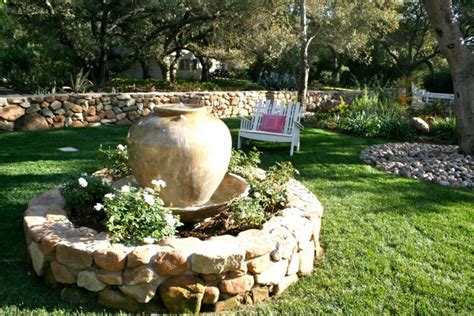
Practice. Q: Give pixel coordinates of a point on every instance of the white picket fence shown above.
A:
(420, 96)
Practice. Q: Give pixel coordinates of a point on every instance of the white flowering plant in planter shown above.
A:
(135, 216)
(115, 160)
(82, 193)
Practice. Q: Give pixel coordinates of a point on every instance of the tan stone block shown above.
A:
(170, 263)
(89, 280)
(143, 254)
(110, 277)
(63, 274)
(306, 262)
(139, 275)
(285, 283)
(211, 295)
(237, 285)
(112, 258)
(37, 257)
(274, 274)
(73, 255)
(76, 108)
(182, 294)
(256, 243)
(49, 243)
(11, 112)
(142, 293)
(259, 264)
(217, 257)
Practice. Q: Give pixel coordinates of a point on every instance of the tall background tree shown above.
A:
(453, 27)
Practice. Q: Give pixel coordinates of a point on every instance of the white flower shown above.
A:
(109, 196)
(111, 218)
(82, 182)
(98, 207)
(121, 147)
(158, 183)
(105, 181)
(84, 174)
(149, 240)
(125, 189)
(256, 194)
(149, 199)
(170, 220)
(148, 190)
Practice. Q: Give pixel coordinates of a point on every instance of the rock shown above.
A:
(124, 121)
(170, 263)
(111, 258)
(139, 275)
(37, 257)
(142, 255)
(73, 256)
(285, 283)
(76, 124)
(90, 281)
(211, 295)
(228, 304)
(6, 126)
(217, 257)
(259, 264)
(274, 274)
(49, 98)
(182, 294)
(117, 300)
(260, 294)
(143, 293)
(11, 112)
(31, 122)
(63, 274)
(306, 259)
(76, 108)
(110, 277)
(256, 243)
(49, 243)
(294, 264)
(56, 105)
(76, 296)
(35, 107)
(236, 285)
(420, 125)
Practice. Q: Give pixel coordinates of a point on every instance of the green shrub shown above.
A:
(373, 116)
(267, 194)
(444, 129)
(276, 81)
(116, 161)
(81, 194)
(136, 216)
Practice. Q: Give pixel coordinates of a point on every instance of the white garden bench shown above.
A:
(264, 115)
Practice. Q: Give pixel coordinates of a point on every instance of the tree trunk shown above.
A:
(205, 66)
(165, 70)
(304, 71)
(461, 63)
(145, 69)
(336, 73)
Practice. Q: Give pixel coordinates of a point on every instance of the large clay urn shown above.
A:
(184, 146)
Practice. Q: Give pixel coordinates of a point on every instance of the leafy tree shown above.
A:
(453, 26)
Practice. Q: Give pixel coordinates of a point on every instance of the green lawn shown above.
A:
(393, 245)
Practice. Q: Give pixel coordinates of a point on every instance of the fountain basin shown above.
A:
(231, 187)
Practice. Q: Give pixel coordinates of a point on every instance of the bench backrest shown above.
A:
(292, 111)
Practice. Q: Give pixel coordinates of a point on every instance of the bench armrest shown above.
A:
(245, 123)
(299, 125)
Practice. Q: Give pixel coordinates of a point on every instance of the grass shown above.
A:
(393, 245)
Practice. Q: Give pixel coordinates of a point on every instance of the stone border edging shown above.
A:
(219, 273)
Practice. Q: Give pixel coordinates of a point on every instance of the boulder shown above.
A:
(420, 125)
(31, 122)
(171, 263)
(182, 294)
(90, 281)
(11, 112)
(110, 258)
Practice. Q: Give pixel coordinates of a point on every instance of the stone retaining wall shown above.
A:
(31, 112)
(183, 274)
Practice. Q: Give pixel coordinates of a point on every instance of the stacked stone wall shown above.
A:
(32, 112)
(183, 274)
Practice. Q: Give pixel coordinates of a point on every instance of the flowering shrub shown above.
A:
(116, 161)
(82, 193)
(267, 195)
(138, 215)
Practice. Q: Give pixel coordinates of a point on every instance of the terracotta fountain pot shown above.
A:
(184, 146)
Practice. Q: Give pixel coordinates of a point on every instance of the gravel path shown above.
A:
(436, 163)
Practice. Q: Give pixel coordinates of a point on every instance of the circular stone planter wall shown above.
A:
(184, 274)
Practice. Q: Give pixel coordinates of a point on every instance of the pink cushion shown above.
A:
(273, 123)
